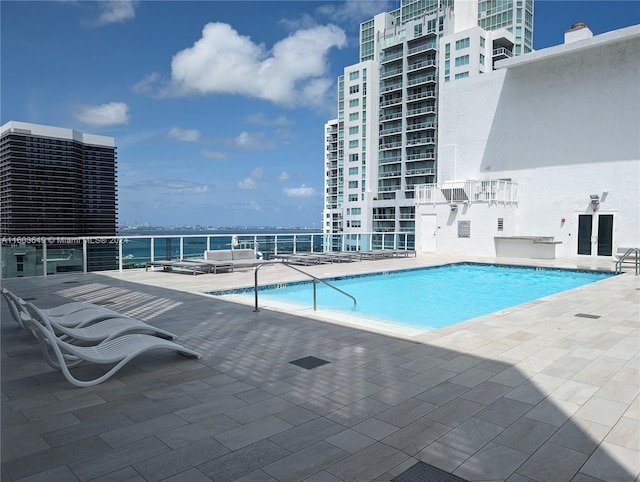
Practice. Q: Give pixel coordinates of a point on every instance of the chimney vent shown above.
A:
(578, 31)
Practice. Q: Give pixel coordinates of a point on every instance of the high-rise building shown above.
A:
(57, 182)
(385, 138)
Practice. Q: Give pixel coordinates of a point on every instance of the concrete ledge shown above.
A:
(533, 247)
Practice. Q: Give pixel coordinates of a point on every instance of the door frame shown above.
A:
(595, 223)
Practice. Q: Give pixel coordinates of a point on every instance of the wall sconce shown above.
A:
(595, 201)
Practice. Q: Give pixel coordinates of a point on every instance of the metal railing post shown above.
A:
(84, 255)
(120, 254)
(45, 264)
(315, 305)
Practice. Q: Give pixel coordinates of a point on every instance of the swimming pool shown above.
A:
(429, 298)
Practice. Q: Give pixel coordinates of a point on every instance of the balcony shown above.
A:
(385, 175)
(389, 160)
(385, 74)
(427, 171)
(429, 109)
(390, 57)
(390, 145)
(423, 64)
(420, 125)
(393, 115)
(501, 53)
(421, 141)
(468, 191)
(421, 156)
(423, 48)
(387, 102)
(390, 88)
(429, 94)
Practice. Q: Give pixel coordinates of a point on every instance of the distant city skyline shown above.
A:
(217, 107)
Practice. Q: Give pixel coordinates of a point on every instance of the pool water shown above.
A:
(429, 298)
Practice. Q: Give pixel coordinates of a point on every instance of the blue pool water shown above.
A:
(434, 297)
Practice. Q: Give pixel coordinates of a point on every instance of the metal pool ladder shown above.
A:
(315, 282)
(628, 253)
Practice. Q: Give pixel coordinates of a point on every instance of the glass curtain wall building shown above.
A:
(57, 183)
(384, 140)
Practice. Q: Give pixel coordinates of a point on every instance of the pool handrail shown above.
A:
(314, 278)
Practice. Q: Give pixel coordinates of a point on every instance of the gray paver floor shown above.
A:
(530, 393)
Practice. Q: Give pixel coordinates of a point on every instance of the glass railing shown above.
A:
(24, 256)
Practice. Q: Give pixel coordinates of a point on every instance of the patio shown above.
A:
(545, 391)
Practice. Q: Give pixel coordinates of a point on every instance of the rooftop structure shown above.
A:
(547, 390)
(564, 182)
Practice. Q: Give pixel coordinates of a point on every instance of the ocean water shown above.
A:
(434, 297)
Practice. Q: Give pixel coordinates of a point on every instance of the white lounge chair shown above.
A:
(67, 308)
(117, 352)
(99, 331)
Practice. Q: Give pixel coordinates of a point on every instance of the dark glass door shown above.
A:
(585, 222)
(605, 234)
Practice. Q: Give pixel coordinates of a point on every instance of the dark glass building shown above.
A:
(57, 182)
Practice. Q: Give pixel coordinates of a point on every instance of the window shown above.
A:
(482, 42)
(353, 197)
(356, 224)
(462, 75)
(353, 157)
(354, 75)
(481, 59)
(462, 43)
(353, 170)
(356, 211)
(354, 89)
(463, 60)
(353, 144)
(353, 130)
(447, 51)
(354, 102)
(417, 30)
(354, 116)
(447, 78)
(353, 184)
(447, 67)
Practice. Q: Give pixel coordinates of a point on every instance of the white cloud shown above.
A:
(104, 115)
(355, 11)
(213, 154)
(185, 135)
(257, 173)
(146, 85)
(253, 141)
(224, 62)
(171, 186)
(247, 183)
(301, 191)
(116, 11)
(251, 181)
(284, 175)
(261, 119)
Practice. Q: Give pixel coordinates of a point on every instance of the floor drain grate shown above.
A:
(309, 362)
(422, 472)
(585, 315)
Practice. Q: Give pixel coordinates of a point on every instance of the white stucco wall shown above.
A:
(563, 126)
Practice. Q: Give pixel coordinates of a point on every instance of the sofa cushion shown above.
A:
(243, 254)
(218, 255)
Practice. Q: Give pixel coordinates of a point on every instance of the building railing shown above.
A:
(24, 256)
(468, 191)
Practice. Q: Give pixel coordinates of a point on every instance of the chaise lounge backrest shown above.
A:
(229, 255)
(218, 255)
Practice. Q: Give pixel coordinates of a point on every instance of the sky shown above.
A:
(217, 107)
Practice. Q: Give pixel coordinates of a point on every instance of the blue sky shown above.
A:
(217, 107)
